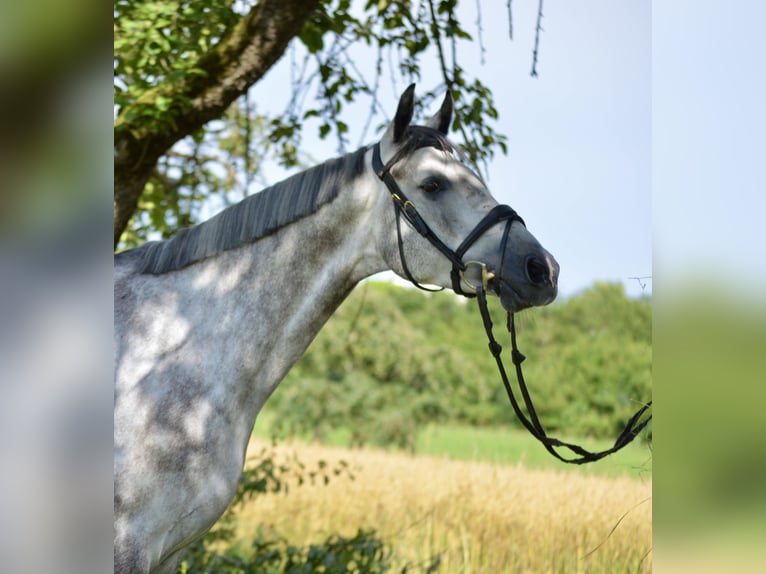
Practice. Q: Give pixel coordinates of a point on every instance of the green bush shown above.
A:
(362, 553)
(393, 359)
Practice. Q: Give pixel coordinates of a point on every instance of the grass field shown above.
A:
(478, 516)
(507, 446)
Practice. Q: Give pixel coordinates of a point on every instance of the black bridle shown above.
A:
(405, 207)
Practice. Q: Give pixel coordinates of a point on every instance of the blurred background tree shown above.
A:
(388, 363)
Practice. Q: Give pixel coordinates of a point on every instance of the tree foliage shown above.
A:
(186, 125)
(393, 359)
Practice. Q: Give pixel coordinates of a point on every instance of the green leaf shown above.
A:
(312, 37)
(162, 103)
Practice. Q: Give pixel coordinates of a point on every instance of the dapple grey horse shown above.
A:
(207, 323)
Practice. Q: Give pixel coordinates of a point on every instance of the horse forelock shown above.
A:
(417, 137)
(254, 217)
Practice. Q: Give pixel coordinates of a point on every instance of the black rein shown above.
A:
(404, 207)
(532, 423)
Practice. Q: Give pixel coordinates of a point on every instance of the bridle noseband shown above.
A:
(405, 207)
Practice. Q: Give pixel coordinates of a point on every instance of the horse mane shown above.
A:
(254, 217)
(269, 210)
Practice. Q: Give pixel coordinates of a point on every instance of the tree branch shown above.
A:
(510, 21)
(538, 29)
(142, 134)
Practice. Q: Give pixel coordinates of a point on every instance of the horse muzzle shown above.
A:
(528, 280)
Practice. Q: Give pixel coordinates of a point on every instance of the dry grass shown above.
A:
(477, 516)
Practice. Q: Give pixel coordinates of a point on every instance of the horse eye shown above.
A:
(431, 186)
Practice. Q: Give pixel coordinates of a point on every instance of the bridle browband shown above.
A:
(405, 207)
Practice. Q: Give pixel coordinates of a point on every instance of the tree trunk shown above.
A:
(239, 60)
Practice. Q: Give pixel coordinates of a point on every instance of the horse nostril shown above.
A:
(537, 271)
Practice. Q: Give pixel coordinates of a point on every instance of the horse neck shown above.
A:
(273, 296)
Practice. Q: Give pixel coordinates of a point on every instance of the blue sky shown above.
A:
(646, 124)
(579, 162)
(709, 145)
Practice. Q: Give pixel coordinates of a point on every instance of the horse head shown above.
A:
(448, 230)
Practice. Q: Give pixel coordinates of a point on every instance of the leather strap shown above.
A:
(531, 422)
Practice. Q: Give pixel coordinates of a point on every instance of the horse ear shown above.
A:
(443, 119)
(404, 112)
